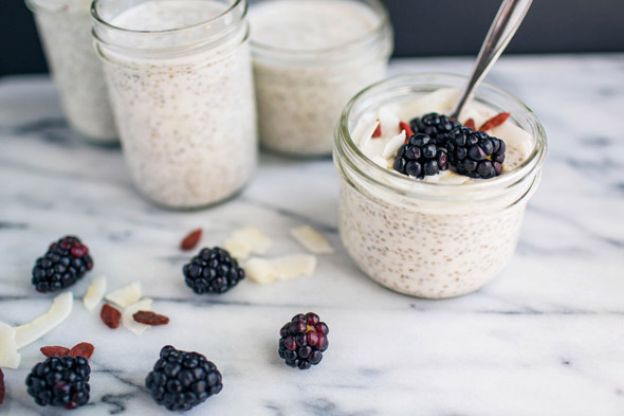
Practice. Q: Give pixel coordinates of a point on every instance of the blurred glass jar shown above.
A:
(305, 72)
(65, 30)
(180, 80)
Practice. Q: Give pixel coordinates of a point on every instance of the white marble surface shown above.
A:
(545, 338)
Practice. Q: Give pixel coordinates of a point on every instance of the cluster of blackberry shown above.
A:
(439, 142)
(66, 261)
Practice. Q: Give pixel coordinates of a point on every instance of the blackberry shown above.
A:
(213, 270)
(66, 261)
(436, 126)
(303, 341)
(475, 153)
(181, 380)
(60, 382)
(421, 157)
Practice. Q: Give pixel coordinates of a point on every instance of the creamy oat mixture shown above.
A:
(186, 121)
(300, 98)
(428, 249)
(65, 29)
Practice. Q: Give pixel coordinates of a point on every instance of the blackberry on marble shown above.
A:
(421, 157)
(436, 126)
(60, 382)
(475, 153)
(66, 261)
(213, 270)
(182, 380)
(303, 341)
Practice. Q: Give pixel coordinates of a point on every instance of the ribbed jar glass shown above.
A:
(431, 239)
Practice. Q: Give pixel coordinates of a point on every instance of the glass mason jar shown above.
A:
(65, 30)
(431, 239)
(182, 94)
(301, 92)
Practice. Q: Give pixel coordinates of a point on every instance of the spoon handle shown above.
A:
(505, 24)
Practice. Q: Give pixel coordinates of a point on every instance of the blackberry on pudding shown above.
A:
(436, 126)
(60, 382)
(66, 261)
(475, 153)
(421, 157)
(303, 341)
(213, 270)
(181, 380)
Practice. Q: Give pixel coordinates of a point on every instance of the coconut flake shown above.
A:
(246, 241)
(311, 239)
(9, 356)
(439, 101)
(125, 296)
(388, 120)
(127, 317)
(58, 312)
(296, 265)
(265, 271)
(364, 129)
(95, 293)
(393, 145)
(260, 271)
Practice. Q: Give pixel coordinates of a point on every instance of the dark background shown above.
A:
(423, 28)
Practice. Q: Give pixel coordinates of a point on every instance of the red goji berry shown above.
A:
(84, 350)
(190, 241)
(54, 351)
(110, 316)
(495, 121)
(150, 318)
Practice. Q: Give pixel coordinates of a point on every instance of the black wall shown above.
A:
(423, 28)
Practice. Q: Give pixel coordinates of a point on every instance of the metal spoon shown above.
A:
(504, 27)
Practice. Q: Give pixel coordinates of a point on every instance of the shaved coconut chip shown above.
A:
(237, 249)
(311, 239)
(281, 268)
(127, 317)
(440, 101)
(95, 293)
(363, 131)
(9, 356)
(393, 145)
(381, 161)
(388, 120)
(247, 240)
(260, 271)
(126, 295)
(296, 265)
(58, 312)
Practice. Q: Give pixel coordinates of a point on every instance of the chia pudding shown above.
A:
(444, 234)
(65, 30)
(310, 58)
(180, 80)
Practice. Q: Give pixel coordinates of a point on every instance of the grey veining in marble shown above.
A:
(545, 338)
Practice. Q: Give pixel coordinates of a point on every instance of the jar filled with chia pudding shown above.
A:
(446, 234)
(310, 57)
(65, 30)
(180, 80)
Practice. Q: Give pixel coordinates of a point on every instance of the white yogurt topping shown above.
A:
(310, 24)
(382, 150)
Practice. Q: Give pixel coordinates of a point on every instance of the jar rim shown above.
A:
(235, 4)
(381, 29)
(348, 150)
